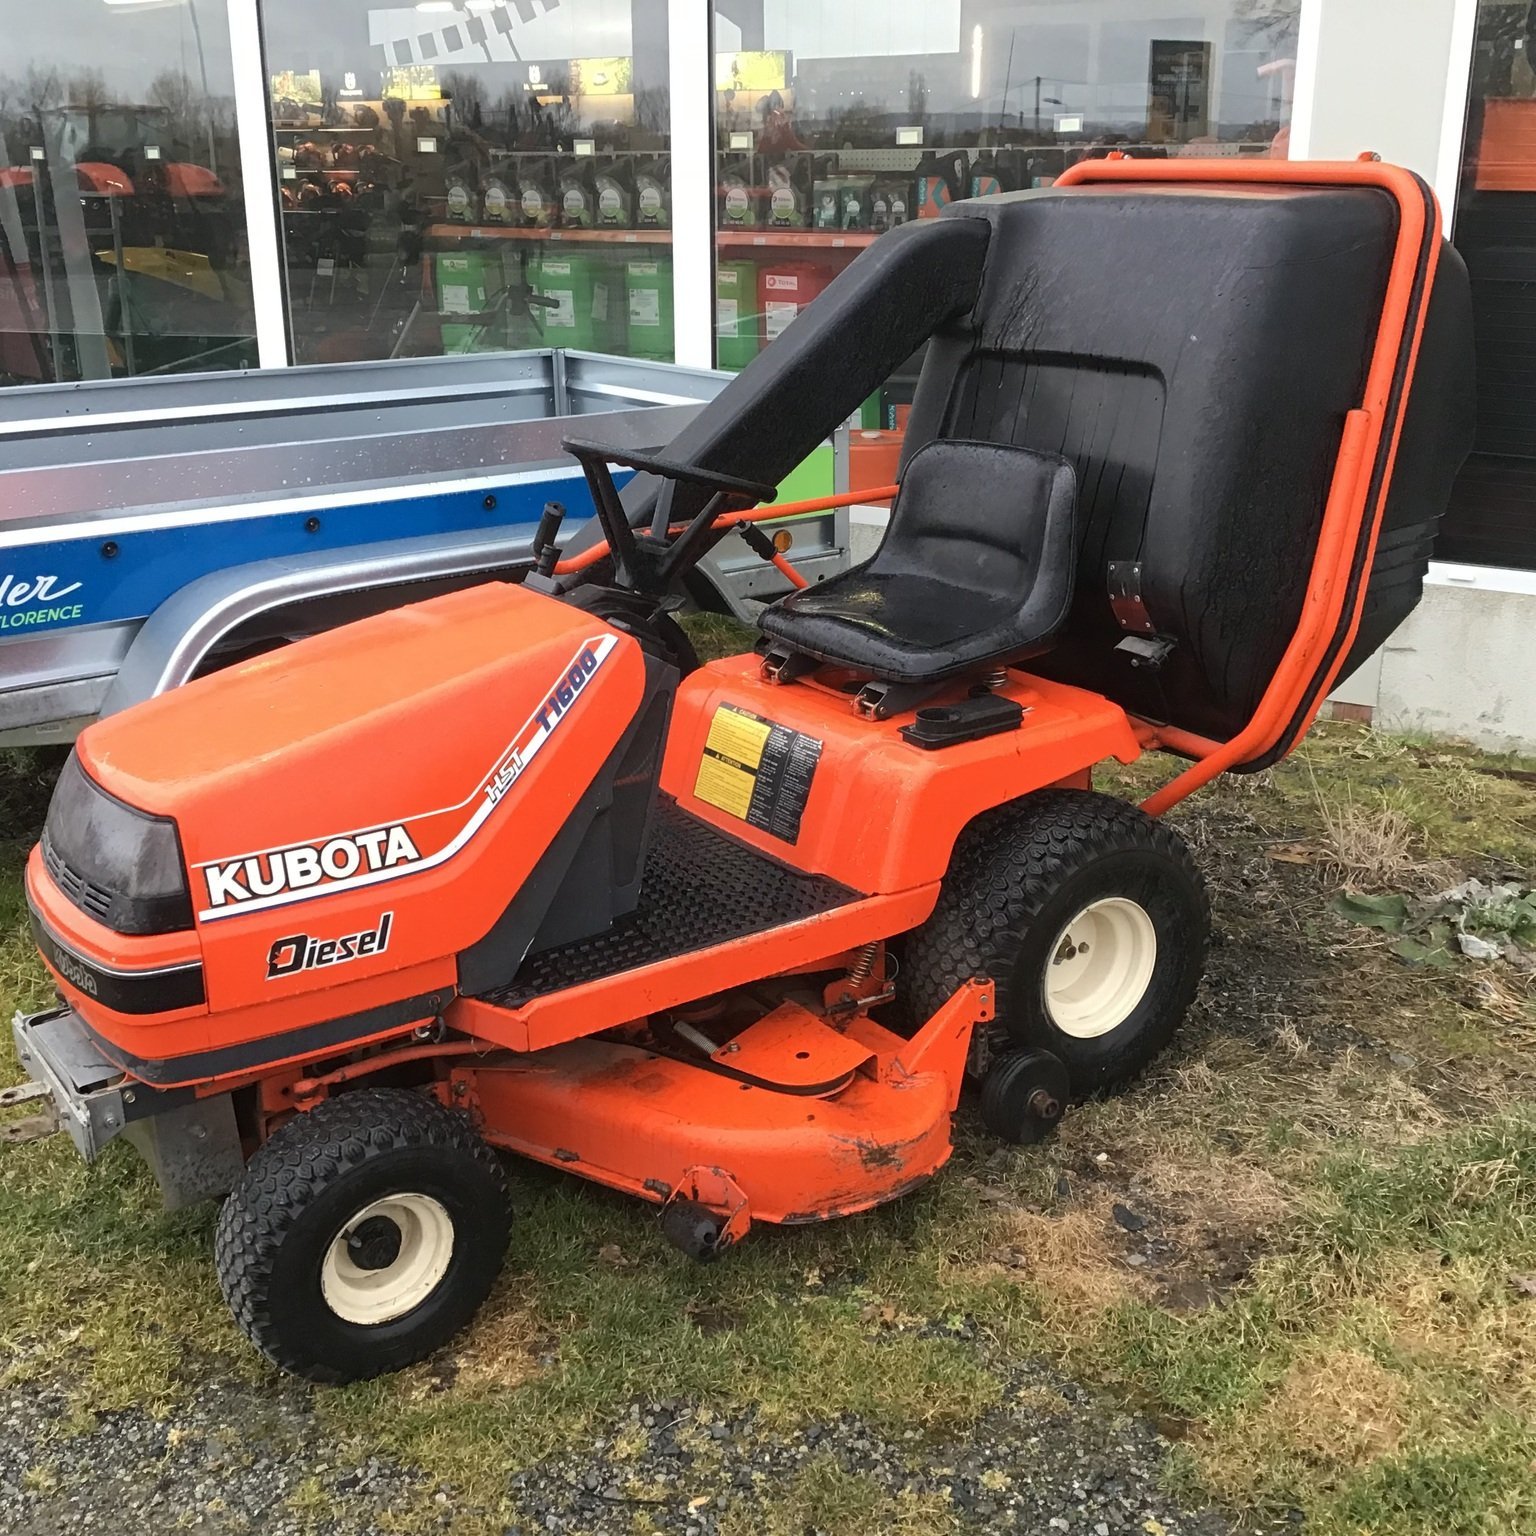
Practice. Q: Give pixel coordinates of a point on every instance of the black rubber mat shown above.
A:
(701, 888)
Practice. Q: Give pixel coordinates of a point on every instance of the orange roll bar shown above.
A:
(1345, 510)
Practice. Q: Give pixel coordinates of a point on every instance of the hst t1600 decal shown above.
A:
(277, 877)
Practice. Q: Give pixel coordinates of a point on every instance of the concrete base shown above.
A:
(1462, 664)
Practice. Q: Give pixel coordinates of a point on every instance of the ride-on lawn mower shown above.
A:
(505, 869)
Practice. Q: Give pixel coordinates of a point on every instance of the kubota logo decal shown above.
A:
(306, 864)
(273, 877)
(75, 972)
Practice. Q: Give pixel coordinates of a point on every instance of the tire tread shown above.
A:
(292, 1169)
(1007, 864)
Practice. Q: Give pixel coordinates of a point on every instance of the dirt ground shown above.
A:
(1287, 1281)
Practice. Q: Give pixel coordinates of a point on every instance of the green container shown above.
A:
(812, 478)
(736, 328)
(468, 282)
(648, 289)
(587, 288)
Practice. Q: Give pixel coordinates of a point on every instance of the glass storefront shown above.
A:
(837, 122)
(122, 231)
(473, 176)
(1492, 520)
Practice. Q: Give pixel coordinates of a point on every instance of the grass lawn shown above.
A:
(1304, 1244)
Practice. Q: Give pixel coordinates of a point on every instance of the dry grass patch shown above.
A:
(508, 1347)
(1074, 1260)
(1372, 842)
(1334, 1407)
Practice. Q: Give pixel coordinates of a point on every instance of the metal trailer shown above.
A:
(152, 529)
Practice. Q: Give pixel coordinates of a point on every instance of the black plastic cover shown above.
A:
(120, 865)
(1193, 351)
(1439, 424)
(947, 725)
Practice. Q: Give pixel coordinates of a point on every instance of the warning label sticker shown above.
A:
(757, 771)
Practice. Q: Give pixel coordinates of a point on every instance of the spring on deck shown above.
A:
(996, 678)
(859, 971)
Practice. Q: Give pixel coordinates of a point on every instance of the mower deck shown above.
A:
(701, 887)
(670, 1130)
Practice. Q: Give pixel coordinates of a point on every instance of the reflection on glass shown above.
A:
(122, 234)
(471, 177)
(838, 122)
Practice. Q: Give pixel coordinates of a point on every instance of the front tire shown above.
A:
(1091, 918)
(363, 1235)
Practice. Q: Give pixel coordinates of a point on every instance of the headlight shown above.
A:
(120, 865)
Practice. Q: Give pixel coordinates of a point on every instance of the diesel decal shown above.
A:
(295, 869)
(253, 882)
(304, 952)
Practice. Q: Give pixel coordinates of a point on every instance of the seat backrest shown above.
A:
(986, 517)
(1193, 352)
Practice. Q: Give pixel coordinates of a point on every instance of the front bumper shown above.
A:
(192, 1145)
(87, 1090)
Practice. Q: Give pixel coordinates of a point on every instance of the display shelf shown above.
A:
(801, 239)
(592, 236)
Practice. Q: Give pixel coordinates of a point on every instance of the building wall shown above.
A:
(1380, 78)
(1460, 667)
(1390, 76)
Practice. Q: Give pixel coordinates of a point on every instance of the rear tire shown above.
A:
(363, 1235)
(1091, 918)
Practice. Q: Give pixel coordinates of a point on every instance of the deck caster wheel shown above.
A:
(1091, 918)
(693, 1228)
(363, 1235)
(1024, 1095)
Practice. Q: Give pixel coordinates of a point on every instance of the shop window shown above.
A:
(1492, 520)
(837, 122)
(122, 230)
(473, 176)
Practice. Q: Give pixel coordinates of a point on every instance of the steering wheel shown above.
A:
(652, 561)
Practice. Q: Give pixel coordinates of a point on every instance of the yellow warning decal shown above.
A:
(757, 771)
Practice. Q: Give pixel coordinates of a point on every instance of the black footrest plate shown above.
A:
(702, 887)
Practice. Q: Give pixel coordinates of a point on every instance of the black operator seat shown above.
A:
(976, 569)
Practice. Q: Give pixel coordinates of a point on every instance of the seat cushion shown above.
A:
(975, 568)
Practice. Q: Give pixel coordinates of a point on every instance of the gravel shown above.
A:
(239, 1458)
(229, 1460)
(1052, 1458)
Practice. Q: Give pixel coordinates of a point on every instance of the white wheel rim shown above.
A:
(361, 1289)
(1099, 968)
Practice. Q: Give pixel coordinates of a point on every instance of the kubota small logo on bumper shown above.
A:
(293, 869)
(304, 952)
